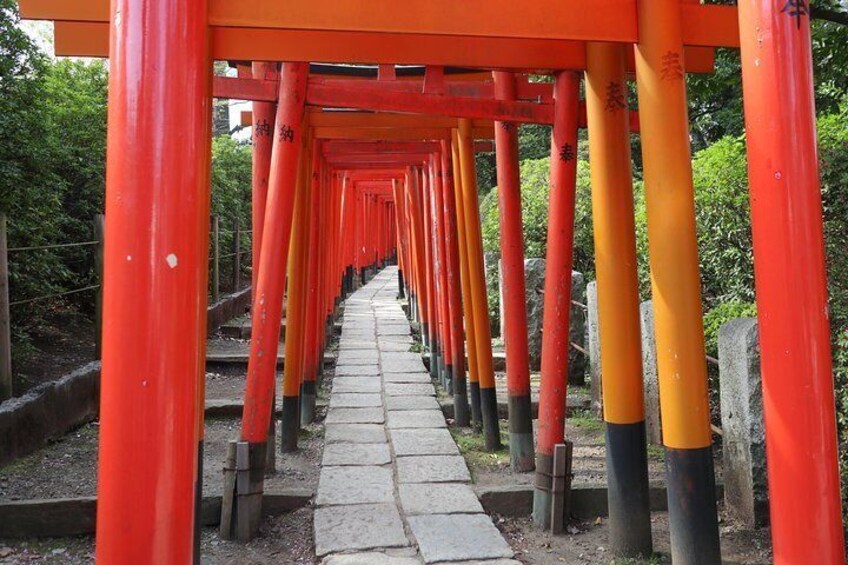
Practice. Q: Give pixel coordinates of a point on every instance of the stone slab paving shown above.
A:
(406, 377)
(393, 488)
(342, 400)
(423, 442)
(416, 419)
(354, 433)
(411, 403)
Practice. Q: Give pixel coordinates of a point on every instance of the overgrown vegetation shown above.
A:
(52, 177)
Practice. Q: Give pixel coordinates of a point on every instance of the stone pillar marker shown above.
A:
(593, 343)
(578, 361)
(534, 276)
(744, 452)
(653, 426)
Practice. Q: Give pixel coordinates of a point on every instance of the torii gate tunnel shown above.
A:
(337, 194)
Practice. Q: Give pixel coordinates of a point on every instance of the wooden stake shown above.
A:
(216, 259)
(236, 255)
(99, 227)
(5, 323)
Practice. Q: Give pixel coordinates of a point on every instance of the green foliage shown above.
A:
(535, 191)
(231, 197)
(52, 175)
(724, 312)
(833, 158)
(723, 222)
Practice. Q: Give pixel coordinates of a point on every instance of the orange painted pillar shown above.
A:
(618, 300)
(676, 284)
(521, 449)
(154, 302)
(465, 285)
(557, 307)
(299, 256)
(789, 267)
(456, 367)
(477, 280)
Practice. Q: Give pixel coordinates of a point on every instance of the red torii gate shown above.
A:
(158, 141)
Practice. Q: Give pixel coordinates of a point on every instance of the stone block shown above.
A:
(447, 498)
(432, 469)
(409, 389)
(650, 378)
(744, 446)
(434, 441)
(458, 537)
(357, 384)
(356, 454)
(416, 419)
(400, 356)
(411, 403)
(371, 558)
(354, 433)
(407, 377)
(351, 528)
(349, 400)
(358, 357)
(356, 370)
(394, 346)
(355, 416)
(403, 366)
(354, 485)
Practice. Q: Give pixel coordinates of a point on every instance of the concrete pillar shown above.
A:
(593, 342)
(744, 451)
(578, 362)
(649, 374)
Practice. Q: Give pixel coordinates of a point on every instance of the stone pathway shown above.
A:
(394, 489)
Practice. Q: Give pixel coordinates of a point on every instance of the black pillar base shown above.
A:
(692, 518)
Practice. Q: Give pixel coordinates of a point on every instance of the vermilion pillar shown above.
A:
(154, 302)
(270, 283)
(618, 300)
(264, 114)
(557, 307)
(676, 284)
(514, 294)
(477, 286)
(314, 319)
(789, 268)
(446, 349)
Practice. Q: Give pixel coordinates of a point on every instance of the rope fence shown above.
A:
(240, 249)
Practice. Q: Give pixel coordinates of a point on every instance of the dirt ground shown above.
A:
(586, 542)
(68, 468)
(58, 348)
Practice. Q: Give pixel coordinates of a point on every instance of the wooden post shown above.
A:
(216, 259)
(99, 227)
(236, 255)
(5, 325)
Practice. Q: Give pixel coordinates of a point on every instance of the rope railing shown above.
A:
(52, 246)
(56, 295)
